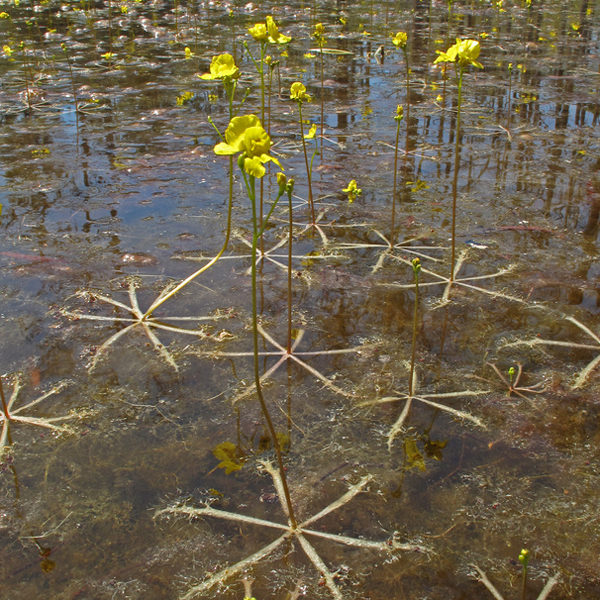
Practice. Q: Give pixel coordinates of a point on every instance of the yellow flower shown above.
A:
(222, 66)
(465, 52)
(312, 133)
(259, 32)
(274, 36)
(188, 53)
(399, 113)
(400, 39)
(352, 190)
(298, 92)
(7, 50)
(319, 34)
(246, 135)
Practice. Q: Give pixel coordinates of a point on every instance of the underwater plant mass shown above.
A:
(299, 300)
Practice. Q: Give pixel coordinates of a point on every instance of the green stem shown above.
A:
(4, 405)
(230, 88)
(322, 94)
(414, 336)
(394, 190)
(257, 232)
(289, 274)
(456, 169)
(310, 194)
(64, 47)
(407, 103)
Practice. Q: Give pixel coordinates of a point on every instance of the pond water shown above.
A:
(111, 192)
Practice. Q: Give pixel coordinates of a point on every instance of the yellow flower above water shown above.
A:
(464, 52)
(352, 190)
(298, 92)
(312, 133)
(400, 39)
(399, 113)
(246, 135)
(259, 32)
(274, 36)
(222, 66)
(268, 32)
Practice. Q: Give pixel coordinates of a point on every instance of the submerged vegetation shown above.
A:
(377, 370)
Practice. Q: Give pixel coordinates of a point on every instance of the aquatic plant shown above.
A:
(298, 93)
(416, 265)
(550, 584)
(245, 136)
(11, 415)
(462, 54)
(224, 69)
(466, 282)
(585, 373)
(319, 35)
(299, 357)
(292, 531)
(64, 47)
(400, 40)
(352, 190)
(398, 118)
(513, 386)
(138, 319)
(524, 560)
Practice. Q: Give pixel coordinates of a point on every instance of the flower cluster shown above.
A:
(246, 135)
(464, 52)
(298, 92)
(268, 32)
(400, 40)
(319, 34)
(353, 191)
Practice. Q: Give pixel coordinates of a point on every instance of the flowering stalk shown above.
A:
(321, 40)
(222, 68)
(400, 40)
(289, 188)
(416, 265)
(399, 116)
(245, 136)
(462, 54)
(298, 93)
